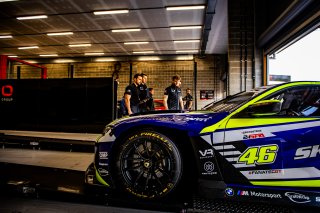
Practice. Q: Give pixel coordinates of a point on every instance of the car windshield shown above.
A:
(233, 102)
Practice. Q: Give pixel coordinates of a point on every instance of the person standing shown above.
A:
(131, 95)
(172, 99)
(143, 93)
(150, 103)
(188, 100)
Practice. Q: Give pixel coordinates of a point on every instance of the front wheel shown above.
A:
(148, 165)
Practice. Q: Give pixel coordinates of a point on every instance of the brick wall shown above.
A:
(244, 58)
(209, 71)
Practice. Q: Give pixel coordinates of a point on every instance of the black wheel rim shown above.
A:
(149, 168)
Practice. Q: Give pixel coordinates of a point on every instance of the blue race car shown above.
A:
(263, 144)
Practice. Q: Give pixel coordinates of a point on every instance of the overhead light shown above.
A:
(32, 17)
(93, 53)
(149, 58)
(5, 36)
(49, 55)
(7, 0)
(143, 52)
(12, 56)
(64, 61)
(185, 27)
(79, 45)
(184, 57)
(125, 30)
(110, 12)
(60, 34)
(25, 48)
(187, 41)
(137, 42)
(196, 7)
(186, 51)
(105, 59)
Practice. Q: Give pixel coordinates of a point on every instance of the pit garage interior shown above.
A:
(64, 64)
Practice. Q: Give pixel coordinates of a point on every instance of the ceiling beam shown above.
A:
(208, 17)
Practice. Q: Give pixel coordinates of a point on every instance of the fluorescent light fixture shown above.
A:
(48, 55)
(185, 27)
(64, 61)
(126, 30)
(187, 41)
(5, 36)
(12, 56)
(32, 17)
(60, 34)
(137, 42)
(187, 51)
(79, 45)
(149, 58)
(93, 53)
(105, 59)
(143, 52)
(185, 57)
(110, 12)
(7, 0)
(195, 7)
(26, 48)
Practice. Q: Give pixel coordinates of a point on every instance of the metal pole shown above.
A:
(195, 85)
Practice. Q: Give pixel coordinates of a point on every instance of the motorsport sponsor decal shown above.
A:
(208, 153)
(103, 172)
(307, 152)
(6, 93)
(103, 164)
(209, 168)
(258, 194)
(297, 197)
(103, 155)
(253, 134)
(229, 192)
(263, 172)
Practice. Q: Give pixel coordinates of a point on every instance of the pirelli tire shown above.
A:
(148, 166)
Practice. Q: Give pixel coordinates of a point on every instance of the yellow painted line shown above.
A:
(295, 183)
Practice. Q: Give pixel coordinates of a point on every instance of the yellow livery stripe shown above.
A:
(293, 183)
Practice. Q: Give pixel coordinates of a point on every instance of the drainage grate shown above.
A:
(201, 205)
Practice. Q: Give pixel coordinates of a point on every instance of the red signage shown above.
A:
(7, 91)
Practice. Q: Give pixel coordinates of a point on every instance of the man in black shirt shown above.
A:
(131, 95)
(172, 99)
(143, 93)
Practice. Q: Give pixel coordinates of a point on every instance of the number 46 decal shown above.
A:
(259, 155)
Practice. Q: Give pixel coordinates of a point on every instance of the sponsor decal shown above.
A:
(317, 199)
(209, 168)
(103, 172)
(6, 93)
(259, 194)
(208, 153)
(254, 136)
(297, 197)
(103, 164)
(229, 191)
(263, 172)
(307, 152)
(103, 155)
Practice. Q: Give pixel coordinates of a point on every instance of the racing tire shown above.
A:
(148, 166)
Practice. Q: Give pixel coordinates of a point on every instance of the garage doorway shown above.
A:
(297, 62)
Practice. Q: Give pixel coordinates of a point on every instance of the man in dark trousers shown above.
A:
(188, 100)
(172, 99)
(143, 93)
(131, 95)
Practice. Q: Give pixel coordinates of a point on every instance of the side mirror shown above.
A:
(264, 108)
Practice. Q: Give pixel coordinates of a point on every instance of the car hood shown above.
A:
(192, 122)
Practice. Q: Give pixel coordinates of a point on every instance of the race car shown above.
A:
(259, 145)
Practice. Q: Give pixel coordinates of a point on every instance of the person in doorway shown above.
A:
(131, 95)
(172, 99)
(188, 100)
(150, 103)
(143, 93)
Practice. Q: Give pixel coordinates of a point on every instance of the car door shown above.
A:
(280, 149)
